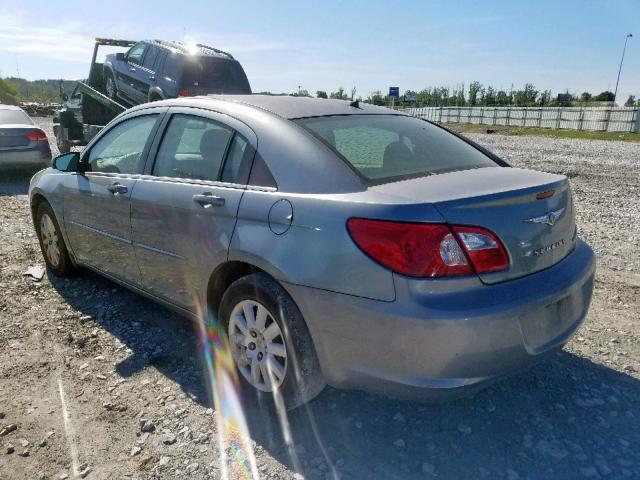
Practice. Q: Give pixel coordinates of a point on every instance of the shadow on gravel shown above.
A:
(15, 182)
(565, 418)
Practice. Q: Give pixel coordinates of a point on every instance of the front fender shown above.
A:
(49, 184)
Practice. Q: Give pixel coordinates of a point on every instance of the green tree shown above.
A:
(631, 101)
(605, 96)
(586, 97)
(321, 94)
(545, 98)
(9, 93)
(489, 97)
(526, 97)
(474, 89)
(340, 95)
(502, 98)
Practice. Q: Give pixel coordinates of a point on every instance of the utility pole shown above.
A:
(620, 68)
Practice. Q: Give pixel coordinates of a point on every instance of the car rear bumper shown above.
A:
(25, 158)
(439, 338)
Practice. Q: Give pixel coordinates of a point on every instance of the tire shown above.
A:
(302, 379)
(51, 241)
(111, 91)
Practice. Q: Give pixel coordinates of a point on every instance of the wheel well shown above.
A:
(36, 200)
(154, 96)
(224, 276)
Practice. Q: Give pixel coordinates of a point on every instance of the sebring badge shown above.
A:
(548, 218)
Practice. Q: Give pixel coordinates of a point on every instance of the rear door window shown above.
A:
(150, 58)
(192, 147)
(240, 153)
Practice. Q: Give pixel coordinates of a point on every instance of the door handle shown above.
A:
(207, 199)
(117, 188)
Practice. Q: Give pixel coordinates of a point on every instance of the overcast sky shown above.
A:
(557, 45)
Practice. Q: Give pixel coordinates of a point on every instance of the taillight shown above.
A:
(484, 249)
(36, 136)
(428, 249)
(183, 93)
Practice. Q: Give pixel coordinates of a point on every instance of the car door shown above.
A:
(128, 75)
(97, 202)
(184, 209)
(147, 73)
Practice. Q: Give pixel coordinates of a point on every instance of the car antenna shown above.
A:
(355, 104)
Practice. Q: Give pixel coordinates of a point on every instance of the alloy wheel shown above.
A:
(49, 238)
(257, 345)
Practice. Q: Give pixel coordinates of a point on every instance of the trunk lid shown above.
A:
(537, 232)
(14, 136)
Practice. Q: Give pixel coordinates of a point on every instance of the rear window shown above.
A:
(390, 147)
(221, 74)
(7, 117)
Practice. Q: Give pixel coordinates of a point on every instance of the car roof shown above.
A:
(198, 49)
(290, 107)
(9, 107)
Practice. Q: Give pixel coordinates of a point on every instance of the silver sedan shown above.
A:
(22, 144)
(332, 242)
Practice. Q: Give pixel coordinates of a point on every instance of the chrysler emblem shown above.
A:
(548, 218)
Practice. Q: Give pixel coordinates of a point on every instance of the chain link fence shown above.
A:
(596, 119)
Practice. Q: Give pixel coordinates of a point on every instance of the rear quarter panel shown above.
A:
(316, 250)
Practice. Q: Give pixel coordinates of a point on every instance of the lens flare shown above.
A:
(236, 451)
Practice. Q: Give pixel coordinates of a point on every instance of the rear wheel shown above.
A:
(270, 343)
(52, 244)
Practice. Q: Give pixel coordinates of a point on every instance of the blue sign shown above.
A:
(394, 92)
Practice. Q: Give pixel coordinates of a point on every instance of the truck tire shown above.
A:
(110, 85)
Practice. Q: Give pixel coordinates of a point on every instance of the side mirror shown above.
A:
(67, 162)
(120, 56)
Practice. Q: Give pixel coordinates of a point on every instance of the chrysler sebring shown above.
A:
(332, 241)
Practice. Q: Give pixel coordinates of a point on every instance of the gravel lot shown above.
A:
(101, 383)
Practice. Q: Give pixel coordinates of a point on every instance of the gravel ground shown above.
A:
(101, 383)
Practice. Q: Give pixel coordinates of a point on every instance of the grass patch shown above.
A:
(544, 132)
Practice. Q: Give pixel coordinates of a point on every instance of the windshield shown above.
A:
(220, 74)
(8, 117)
(388, 147)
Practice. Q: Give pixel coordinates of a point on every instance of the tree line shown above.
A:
(479, 95)
(15, 90)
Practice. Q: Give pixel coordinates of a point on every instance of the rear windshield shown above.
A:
(391, 147)
(223, 75)
(8, 117)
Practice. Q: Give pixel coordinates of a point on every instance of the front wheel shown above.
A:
(269, 340)
(52, 244)
(110, 86)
